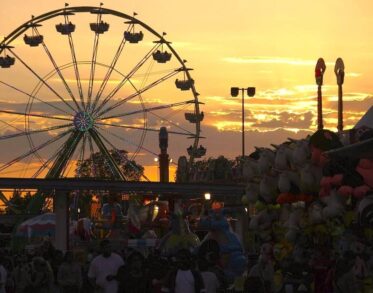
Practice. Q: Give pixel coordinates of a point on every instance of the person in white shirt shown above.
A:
(103, 269)
(210, 280)
(184, 279)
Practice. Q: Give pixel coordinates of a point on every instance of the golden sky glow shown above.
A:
(272, 45)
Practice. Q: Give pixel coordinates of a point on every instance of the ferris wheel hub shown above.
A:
(83, 121)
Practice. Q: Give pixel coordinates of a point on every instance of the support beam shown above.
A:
(186, 190)
(61, 209)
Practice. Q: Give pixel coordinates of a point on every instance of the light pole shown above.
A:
(234, 93)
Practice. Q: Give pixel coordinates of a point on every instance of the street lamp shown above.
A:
(234, 93)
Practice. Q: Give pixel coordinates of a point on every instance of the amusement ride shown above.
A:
(105, 82)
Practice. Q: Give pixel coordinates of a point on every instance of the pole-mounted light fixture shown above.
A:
(234, 93)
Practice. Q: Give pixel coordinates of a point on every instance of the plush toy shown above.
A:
(266, 160)
(334, 205)
(261, 223)
(315, 213)
(285, 212)
(310, 177)
(179, 237)
(268, 187)
(301, 153)
(293, 224)
(233, 259)
(288, 185)
(252, 192)
(283, 156)
(250, 169)
(360, 268)
(365, 211)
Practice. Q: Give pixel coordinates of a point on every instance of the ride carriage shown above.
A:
(99, 27)
(33, 41)
(65, 28)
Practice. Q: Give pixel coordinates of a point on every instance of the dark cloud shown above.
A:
(358, 105)
(288, 120)
(229, 143)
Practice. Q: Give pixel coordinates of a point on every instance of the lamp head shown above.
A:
(234, 91)
(251, 91)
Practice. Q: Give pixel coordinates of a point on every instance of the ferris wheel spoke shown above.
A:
(46, 163)
(75, 154)
(126, 78)
(93, 69)
(23, 133)
(34, 115)
(76, 69)
(33, 150)
(75, 63)
(117, 173)
(82, 149)
(110, 69)
(33, 97)
(93, 63)
(91, 151)
(42, 80)
(149, 109)
(64, 155)
(81, 153)
(135, 168)
(143, 128)
(138, 92)
(57, 69)
(127, 141)
(10, 124)
(174, 124)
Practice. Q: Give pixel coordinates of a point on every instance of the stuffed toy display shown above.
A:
(315, 202)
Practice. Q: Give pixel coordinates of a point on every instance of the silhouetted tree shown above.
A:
(96, 166)
(18, 203)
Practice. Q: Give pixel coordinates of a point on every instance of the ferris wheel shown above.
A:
(81, 80)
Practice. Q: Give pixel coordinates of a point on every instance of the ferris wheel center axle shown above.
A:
(83, 121)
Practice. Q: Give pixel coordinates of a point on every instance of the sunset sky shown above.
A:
(272, 45)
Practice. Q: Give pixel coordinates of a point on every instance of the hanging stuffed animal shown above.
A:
(301, 153)
(283, 156)
(365, 211)
(268, 188)
(252, 192)
(315, 213)
(250, 169)
(232, 254)
(266, 160)
(261, 223)
(334, 205)
(293, 224)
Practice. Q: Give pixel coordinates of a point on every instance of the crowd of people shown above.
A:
(47, 270)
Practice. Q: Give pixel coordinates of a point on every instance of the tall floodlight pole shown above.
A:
(234, 93)
(319, 76)
(339, 70)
